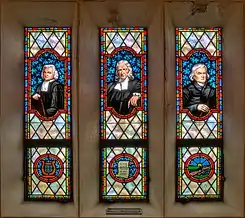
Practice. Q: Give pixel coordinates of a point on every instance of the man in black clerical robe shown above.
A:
(49, 95)
(124, 93)
(199, 97)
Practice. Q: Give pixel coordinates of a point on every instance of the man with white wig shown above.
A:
(199, 97)
(125, 92)
(49, 95)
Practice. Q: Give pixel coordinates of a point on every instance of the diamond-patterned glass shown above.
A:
(127, 122)
(124, 112)
(47, 115)
(47, 118)
(193, 48)
(49, 173)
(53, 129)
(199, 110)
(114, 181)
(118, 128)
(199, 173)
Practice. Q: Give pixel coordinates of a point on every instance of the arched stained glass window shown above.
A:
(124, 114)
(47, 118)
(199, 114)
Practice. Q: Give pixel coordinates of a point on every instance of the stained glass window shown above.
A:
(124, 114)
(199, 114)
(47, 114)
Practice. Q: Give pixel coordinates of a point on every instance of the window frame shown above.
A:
(27, 14)
(178, 15)
(85, 17)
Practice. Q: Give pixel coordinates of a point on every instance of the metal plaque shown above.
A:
(124, 211)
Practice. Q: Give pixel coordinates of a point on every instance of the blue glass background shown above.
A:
(196, 58)
(123, 55)
(199, 160)
(37, 67)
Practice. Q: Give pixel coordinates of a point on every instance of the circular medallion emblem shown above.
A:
(48, 168)
(124, 168)
(199, 167)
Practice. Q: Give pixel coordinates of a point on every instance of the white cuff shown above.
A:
(137, 94)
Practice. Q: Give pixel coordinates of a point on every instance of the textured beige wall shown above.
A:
(177, 15)
(161, 19)
(94, 15)
(14, 17)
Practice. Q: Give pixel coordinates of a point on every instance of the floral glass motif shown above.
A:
(47, 117)
(124, 114)
(199, 117)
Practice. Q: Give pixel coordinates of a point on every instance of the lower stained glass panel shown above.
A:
(48, 173)
(124, 174)
(199, 173)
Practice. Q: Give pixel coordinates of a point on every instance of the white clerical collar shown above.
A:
(122, 85)
(45, 85)
(124, 81)
(201, 84)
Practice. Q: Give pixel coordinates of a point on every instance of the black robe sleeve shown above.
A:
(187, 95)
(137, 88)
(36, 104)
(57, 101)
(119, 99)
(212, 99)
(114, 95)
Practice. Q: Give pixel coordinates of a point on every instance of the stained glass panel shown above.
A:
(47, 113)
(124, 115)
(199, 173)
(199, 108)
(49, 173)
(124, 173)
(123, 104)
(47, 98)
(199, 117)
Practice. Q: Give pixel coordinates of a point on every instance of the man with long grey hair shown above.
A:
(124, 93)
(199, 97)
(49, 95)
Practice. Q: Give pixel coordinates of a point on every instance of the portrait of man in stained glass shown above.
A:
(198, 96)
(125, 92)
(49, 95)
